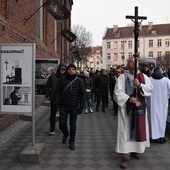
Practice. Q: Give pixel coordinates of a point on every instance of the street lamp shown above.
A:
(123, 49)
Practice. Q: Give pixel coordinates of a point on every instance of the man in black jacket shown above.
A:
(50, 93)
(102, 84)
(70, 96)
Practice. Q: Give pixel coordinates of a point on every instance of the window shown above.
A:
(130, 55)
(167, 53)
(129, 44)
(115, 44)
(115, 57)
(153, 32)
(138, 43)
(123, 44)
(97, 57)
(159, 53)
(97, 63)
(150, 43)
(167, 42)
(117, 34)
(122, 55)
(159, 43)
(108, 56)
(150, 54)
(108, 45)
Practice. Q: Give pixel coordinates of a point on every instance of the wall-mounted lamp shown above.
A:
(67, 34)
(65, 13)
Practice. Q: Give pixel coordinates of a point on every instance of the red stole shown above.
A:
(140, 117)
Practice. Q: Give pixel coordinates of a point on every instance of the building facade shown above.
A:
(28, 21)
(95, 59)
(118, 43)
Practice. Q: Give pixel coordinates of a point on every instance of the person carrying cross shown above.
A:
(127, 144)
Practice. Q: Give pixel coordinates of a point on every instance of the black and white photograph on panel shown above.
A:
(17, 78)
(16, 95)
(42, 74)
(12, 72)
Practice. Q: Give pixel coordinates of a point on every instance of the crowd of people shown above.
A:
(140, 103)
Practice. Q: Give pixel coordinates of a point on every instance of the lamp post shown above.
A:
(123, 49)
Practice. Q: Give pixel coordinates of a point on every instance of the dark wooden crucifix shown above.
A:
(136, 55)
(6, 62)
(136, 33)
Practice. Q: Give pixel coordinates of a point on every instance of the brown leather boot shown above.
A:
(135, 155)
(125, 159)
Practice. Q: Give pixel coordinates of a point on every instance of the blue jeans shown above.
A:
(88, 103)
(72, 112)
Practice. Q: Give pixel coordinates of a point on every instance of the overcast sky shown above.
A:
(96, 15)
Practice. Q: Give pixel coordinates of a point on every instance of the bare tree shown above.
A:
(163, 61)
(83, 43)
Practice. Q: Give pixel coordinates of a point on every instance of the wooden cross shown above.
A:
(136, 54)
(136, 28)
(136, 32)
(6, 62)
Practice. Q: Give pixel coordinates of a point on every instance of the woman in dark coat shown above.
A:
(88, 83)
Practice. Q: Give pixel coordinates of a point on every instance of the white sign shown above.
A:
(17, 78)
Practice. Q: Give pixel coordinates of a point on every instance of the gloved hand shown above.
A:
(80, 110)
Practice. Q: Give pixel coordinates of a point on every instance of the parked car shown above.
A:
(150, 61)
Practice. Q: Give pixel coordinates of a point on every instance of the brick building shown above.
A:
(28, 21)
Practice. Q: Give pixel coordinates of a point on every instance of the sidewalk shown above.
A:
(95, 143)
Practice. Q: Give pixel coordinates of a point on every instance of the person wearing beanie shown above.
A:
(71, 66)
(146, 69)
(51, 86)
(70, 97)
(88, 83)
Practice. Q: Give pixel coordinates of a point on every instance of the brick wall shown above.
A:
(13, 30)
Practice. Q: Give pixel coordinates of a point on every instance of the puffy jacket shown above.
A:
(102, 83)
(51, 86)
(74, 94)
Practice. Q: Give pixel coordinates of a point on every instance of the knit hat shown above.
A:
(86, 73)
(145, 65)
(71, 65)
(102, 70)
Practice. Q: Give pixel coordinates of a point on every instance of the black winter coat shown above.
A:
(52, 83)
(74, 94)
(51, 86)
(102, 85)
(93, 77)
(88, 83)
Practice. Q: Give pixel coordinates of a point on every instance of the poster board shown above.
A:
(17, 78)
(42, 74)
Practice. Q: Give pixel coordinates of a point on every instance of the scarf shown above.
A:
(136, 114)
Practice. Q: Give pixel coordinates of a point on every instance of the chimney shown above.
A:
(115, 28)
(150, 25)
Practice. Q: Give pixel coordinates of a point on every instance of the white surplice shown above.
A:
(159, 106)
(122, 143)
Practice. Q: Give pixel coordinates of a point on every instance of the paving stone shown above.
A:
(95, 144)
